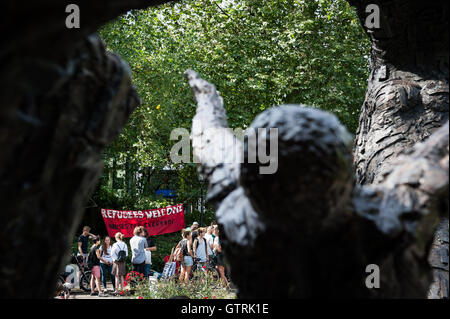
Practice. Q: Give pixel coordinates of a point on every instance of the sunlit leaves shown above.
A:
(258, 53)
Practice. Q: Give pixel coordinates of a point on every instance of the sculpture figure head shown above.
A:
(314, 156)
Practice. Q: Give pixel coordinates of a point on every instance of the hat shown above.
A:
(194, 223)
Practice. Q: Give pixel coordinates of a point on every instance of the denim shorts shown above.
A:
(187, 261)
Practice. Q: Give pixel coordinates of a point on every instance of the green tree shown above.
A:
(258, 53)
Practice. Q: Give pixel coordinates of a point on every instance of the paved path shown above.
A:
(81, 294)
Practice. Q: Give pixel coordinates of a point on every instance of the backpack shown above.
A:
(121, 255)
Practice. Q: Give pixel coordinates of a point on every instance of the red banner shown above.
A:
(157, 221)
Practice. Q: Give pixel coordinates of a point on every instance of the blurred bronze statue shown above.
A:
(318, 225)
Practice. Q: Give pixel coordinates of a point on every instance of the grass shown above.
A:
(203, 286)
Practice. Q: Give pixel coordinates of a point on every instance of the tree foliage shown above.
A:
(258, 53)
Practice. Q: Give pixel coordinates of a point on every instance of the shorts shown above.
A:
(187, 261)
(219, 259)
(96, 272)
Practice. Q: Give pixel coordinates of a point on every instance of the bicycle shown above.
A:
(208, 268)
(85, 277)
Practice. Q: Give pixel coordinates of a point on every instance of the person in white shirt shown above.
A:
(209, 241)
(106, 263)
(119, 268)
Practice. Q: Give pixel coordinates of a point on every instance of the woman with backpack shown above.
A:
(93, 262)
(201, 247)
(119, 253)
(185, 250)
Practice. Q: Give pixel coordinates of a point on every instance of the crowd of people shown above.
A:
(202, 244)
(107, 259)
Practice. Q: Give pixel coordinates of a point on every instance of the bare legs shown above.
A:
(119, 283)
(184, 274)
(95, 282)
(221, 270)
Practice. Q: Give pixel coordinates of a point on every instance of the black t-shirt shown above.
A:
(84, 240)
(150, 242)
(184, 247)
(95, 260)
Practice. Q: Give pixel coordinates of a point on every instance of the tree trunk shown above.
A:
(63, 99)
(407, 96)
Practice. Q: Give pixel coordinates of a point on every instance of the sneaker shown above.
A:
(102, 294)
